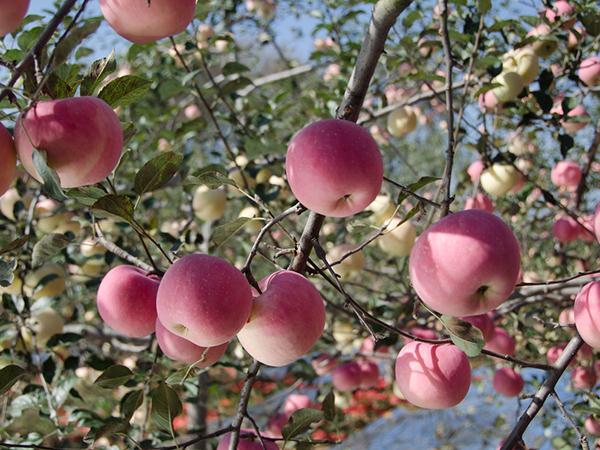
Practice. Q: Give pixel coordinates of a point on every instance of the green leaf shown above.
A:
(328, 406)
(117, 205)
(181, 375)
(98, 71)
(130, 403)
(464, 335)
(56, 87)
(235, 85)
(413, 187)
(124, 90)
(300, 422)
(157, 172)
(47, 247)
(114, 376)
(234, 67)
(165, 406)
(86, 195)
(73, 40)
(14, 245)
(111, 427)
(223, 233)
(213, 176)
(51, 182)
(9, 376)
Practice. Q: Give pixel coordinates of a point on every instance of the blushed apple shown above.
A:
(347, 377)
(398, 238)
(565, 229)
(587, 313)
(204, 299)
(466, 264)
(501, 342)
(294, 402)
(433, 376)
(334, 167)
(566, 174)
(81, 136)
(402, 121)
(583, 377)
(488, 102)
(561, 11)
(369, 373)
(126, 300)
(589, 71)
(8, 155)
(475, 170)
(499, 179)
(479, 201)
(524, 62)
(286, 321)
(143, 22)
(324, 363)
(13, 13)
(508, 382)
(209, 204)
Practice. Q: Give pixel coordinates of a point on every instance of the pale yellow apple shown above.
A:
(45, 323)
(499, 179)
(238, 178)
(7, 203)
(383, 209)
(402, 121)
(52, 288)
(545, 43)
(209, 204)
(524, 61)
(90, 248)
(351, 265)
(398, 239)
(511, 85)
(71, 225)
(14, 288)
(252, 226)
(64, 220)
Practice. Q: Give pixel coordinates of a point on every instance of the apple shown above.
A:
(332, 71)
(511, 85)
(576, 36)
(347, 377)
(524, 62)
(584, 234)
(89, 248)
(8, 155)
(508, 382)
(545, 44)
(247, 441)
(501, 342)
(192, 112)
(587, 313)
(369, 373)
(422, 333)
(402, 121)
(8, 200)
(567, 317)
(334, 167)
(479, 201)
(45, 323)
(499, 179)
(350, 266)
(294, 402)
(81, 136)
(578, 112)
(583, 377)
(566, 174)
(565, 229)
(287, 319)
(126, 300)
(142, 22)
(592, 426)
(433, 376)
(560, 11)
(589, 71)
(383, 209)
(466, 264)
(209, 204)
(475, 170)
(203, 35)
(367, 347)
(324, 363)
(264, 8)
(182, 350)
(398, 239)
(554, 353)
(519, 145)
(251, 212)
(204, 299)
(47, 281)
(13, 13)
(45, 207)
(488, 102)
(484, 323)
(597, 222)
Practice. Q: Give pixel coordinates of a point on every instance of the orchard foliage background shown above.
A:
(216, 106)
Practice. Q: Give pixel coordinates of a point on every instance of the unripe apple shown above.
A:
(433, 376)
(524, 62)
(499, 179)
(204, 299)
(287, 319)
(369, 373)
(589, 71)
(592, 426)
(251, 212)
(475, 170)
(13, 13)
(398, 239)
(90, 248)
(383, 209)
(479, 201)
(143, 22)
(511, 85)
(182, 350)
(126, 300)
(247, 441)
(583, 377)
(334, 167)
(466, 264)
(402, 121)
(82, 138)
(323, 364)
(501, 342)
(484, 323)
(242, 180)
(209, 204)
(7, 203)
(351, 265)
(346, 377)
(45, 323)
(8, 155)
(566, 174)
(508, 382)
(565, 229)
(47, 281)
(545, 44)
(519, 144)
(587, 311)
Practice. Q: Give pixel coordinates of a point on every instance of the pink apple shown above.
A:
(433, 376)
(13, 12)
(324, 363)
(248, 440)
(334, 167)
(488, 102)
(560, 11)
(81, 136)
(589, 71)
(466, 264)
(592, 426)
(566, 229)
(475, 169)
(368, 347)
(287, 319)
(484, 322)
(126, 300)
(294, 402)
(143, 22)
(204, 299)
(501, 342)
(347, 376)
(554, 353)
(566, 317)
(369, 373)
(508, 382)
(479, 201)
(421, 333)
(587, 313)
(583, 377)
(8, 159)
(180, 349)
(566, 174)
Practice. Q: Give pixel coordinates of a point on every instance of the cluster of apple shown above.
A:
(202, 302)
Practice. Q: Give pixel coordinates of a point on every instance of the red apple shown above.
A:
(566, 229)
(81, 136)
(369, 373)
(587, 313)
(508, 382)
(142, 22)
(479, 201)
(433, 376)
(466, 264)
(589, 71)
(347, 376)
(8, 158)
(501, 342)
(592, 426)
(126, 300)
(287, 319)
(13, 12)
(334, 167)
(561, 11)
(204, 299)
(583, 377)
